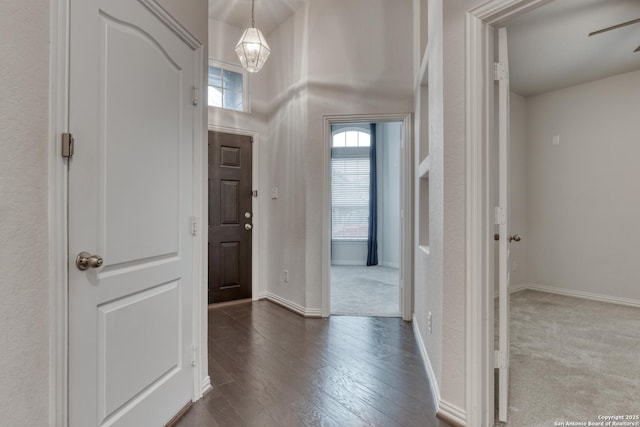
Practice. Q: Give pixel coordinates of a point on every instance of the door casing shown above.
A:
(58, 212)
(480, 24)
(406, 202)
(256, 291)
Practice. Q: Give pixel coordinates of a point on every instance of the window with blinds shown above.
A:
(350, 187)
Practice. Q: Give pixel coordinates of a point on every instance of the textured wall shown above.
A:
(453, 202)
(583, 200)
(24, 286)
(345, 80)
(192, 14)
(428, 280)
(317, 68)
(389, 203)
(518, 191)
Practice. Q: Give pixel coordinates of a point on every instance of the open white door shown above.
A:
(131, 113)
(502, 219)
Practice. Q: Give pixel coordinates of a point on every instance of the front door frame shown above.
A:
(255, 205)
(58, 382)
(406, 202)
(480, 22)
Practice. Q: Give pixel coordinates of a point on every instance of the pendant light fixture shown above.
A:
(252, 49)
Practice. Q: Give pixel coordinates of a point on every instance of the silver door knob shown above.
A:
(85, 260)
(248, 227)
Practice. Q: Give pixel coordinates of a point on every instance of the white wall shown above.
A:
(24, 284)
(389, 200)
(349, 252)
(429, 283)
(519, 191)
(440, 276)
(583, 200)
(317, 67)
(343, 80)
(284, 159)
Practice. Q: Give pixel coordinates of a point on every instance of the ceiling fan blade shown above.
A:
(637, 49)
(614, 27)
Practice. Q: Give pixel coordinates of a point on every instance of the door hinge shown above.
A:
(499, 71)
(254, 193)
(500, 216)
(194, 226)
(194, 95)
(67, 145)
(194, 350)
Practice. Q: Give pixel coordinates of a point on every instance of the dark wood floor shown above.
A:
(272, 368)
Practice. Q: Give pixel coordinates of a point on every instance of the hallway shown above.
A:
(270, 367)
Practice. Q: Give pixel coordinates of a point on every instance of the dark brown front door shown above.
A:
(230, 217)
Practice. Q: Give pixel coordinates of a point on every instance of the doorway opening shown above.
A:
(366, 266)
(365, 218)
(554, 207)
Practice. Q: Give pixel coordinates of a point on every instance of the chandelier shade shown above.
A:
(253, 50)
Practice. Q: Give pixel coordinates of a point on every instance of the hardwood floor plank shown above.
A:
(272, 368)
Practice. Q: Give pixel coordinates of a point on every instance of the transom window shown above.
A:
(350, 165)
(227, 87)
(351, 138)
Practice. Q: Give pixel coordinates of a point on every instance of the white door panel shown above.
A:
(139, 344)
(144, 108)
(130, 198)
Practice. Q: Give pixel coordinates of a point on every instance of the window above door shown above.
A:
(228, 87)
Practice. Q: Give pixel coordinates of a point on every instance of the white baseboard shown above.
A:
(206, 385)
(435, 388)
(513, 289)
(517, 288)
(580, 294)
(391, 264)
(349, 263)
(296, 308)
(452, 413)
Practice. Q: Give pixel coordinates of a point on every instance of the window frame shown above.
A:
(226, 66)
(360, 152)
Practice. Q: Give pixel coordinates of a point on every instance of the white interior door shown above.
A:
(502, 219)
(130, 199)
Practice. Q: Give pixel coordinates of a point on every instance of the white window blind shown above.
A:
(349, 198)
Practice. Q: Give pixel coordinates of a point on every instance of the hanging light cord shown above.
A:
(253, 21)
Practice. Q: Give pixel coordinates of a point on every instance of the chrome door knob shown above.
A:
(248, 227)
(515, 238)
(85, 260)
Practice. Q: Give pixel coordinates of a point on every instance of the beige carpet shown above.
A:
(572, 360)
(365, 291)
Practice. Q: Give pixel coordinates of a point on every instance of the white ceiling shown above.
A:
(549, 48)
(269, 14)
